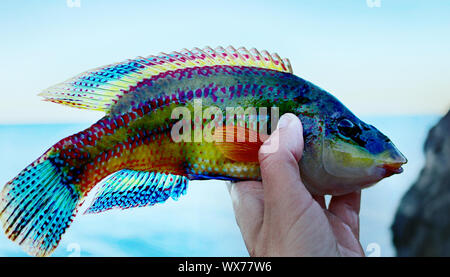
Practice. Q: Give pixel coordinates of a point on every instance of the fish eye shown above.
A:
(347, 128)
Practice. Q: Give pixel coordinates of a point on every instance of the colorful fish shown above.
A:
(133, 154)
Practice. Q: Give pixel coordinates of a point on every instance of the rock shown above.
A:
(422, 224)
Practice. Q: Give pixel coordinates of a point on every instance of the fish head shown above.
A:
(347, 154)
(353, 148)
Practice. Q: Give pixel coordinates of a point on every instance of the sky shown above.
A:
(388, 59)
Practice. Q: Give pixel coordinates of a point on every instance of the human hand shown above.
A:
(279, 217)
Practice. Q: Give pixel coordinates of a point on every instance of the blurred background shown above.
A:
(387, 60)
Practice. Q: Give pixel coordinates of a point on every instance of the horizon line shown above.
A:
(70, 122)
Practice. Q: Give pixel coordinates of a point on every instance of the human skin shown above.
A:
(279, 217)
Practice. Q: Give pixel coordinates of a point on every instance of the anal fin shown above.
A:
(129, 188)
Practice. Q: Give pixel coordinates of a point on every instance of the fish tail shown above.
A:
(38, 205)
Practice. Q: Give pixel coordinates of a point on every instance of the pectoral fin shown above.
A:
(238, 143)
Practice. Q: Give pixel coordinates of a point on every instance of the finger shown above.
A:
(278, 157)
(346, 207)
(248, 205)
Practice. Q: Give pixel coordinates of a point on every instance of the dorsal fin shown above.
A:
(99, 88)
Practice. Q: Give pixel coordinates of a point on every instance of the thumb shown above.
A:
(278, 158)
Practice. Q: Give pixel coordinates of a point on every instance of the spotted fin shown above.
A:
(100, 88)
(128, 189)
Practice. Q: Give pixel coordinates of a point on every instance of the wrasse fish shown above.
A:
(133, 156)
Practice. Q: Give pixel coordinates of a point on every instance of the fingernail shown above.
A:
(284, 121)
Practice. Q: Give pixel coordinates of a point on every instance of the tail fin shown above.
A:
(37, 206)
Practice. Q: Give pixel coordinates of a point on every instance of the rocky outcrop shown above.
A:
(422, 223)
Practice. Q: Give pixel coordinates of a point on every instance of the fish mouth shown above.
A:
(394, 164)
(392, 168)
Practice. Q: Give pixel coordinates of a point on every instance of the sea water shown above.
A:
(202, 222)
